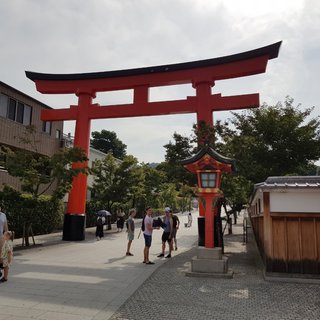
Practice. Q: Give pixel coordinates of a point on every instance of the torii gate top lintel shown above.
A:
(220, 68)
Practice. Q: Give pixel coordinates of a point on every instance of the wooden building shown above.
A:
(285, 216)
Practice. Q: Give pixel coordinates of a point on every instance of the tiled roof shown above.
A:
(290, 182)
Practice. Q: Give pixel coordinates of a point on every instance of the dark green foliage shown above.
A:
(273, 141)
(116, 182)
(38, 173)
(44, 213)
(108, 142)
(92, 208)
(179, 149)
(267, 141)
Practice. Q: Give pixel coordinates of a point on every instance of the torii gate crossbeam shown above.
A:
(201, 74)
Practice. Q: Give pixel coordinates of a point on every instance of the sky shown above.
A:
(78, 36)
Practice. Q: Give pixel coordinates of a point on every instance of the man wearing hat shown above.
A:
(167, 233)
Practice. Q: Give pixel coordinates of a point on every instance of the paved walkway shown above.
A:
(169, 294)
(92, 280)
(86, 280)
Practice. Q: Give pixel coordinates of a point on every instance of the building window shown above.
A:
(13, 110)
(58, 134)
(27, 115)
(19, 115)
(3, 105)
(46, 127)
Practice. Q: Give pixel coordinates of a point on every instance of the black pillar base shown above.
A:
(201, 231)
(74, 227)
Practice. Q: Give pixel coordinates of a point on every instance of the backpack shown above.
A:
(100, 221)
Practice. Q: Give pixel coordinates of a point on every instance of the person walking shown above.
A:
(7, 253)
(147, 233)
(176, 225)
(120, 219)
(99, 227)
(3, 228)
(167, 233)
(130, 230)
(189, 220)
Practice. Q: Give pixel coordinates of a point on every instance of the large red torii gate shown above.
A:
(201, 74)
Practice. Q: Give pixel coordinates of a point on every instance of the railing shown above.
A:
(245, 230)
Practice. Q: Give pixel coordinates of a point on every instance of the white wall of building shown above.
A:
(295, 201)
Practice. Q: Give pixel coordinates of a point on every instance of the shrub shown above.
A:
(43, 213)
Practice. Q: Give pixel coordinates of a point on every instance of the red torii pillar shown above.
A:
(201, 74)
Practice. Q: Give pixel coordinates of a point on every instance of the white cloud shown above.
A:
(75, 36)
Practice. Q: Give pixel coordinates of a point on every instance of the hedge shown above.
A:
(44, 213)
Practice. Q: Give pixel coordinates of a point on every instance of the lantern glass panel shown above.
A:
(208, 180)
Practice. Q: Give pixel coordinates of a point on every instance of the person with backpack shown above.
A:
(130, 230)
(101, 219)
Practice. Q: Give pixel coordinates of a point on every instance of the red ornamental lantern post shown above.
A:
(208, 165)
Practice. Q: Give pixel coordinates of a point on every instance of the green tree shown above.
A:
(115, 182)
(272, 141)
(168, 195)
(38, 173)
(203, 134)
(152, 181)
(185, 196)
(236, 190)
(179, 149)
(107, 141)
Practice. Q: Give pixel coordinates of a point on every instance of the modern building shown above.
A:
(18, 110)
(285, 216)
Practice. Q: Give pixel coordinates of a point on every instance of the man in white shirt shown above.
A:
(147, 233)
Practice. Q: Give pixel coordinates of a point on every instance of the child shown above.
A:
(130, 230)
(7, 253)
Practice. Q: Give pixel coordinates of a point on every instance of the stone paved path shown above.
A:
(169, 294)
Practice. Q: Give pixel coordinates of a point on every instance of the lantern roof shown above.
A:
(209, 159)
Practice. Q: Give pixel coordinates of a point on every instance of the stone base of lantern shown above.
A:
(209, 262)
